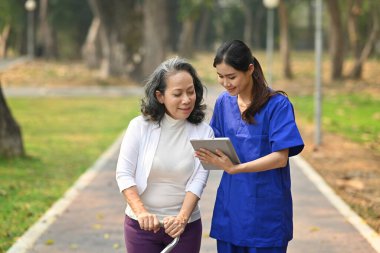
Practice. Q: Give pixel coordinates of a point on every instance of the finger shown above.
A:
(219, 153)
(150, 223)
(156, 224)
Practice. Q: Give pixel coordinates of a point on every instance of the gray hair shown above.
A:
(150, 106)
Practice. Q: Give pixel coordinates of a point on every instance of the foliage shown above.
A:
(63, 137)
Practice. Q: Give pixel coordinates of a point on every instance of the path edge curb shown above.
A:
(27, 240)
(364, 229)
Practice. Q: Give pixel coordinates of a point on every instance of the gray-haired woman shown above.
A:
(157, 172)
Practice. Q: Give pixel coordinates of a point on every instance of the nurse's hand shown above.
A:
(218, 159)
(148, 222)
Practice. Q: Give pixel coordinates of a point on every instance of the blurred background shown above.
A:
(324, 54)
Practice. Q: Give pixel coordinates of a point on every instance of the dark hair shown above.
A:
(152, 109)
(238, 55)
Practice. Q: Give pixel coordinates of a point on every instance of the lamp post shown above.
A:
(30, 6)
(270, 5)
(318, 73)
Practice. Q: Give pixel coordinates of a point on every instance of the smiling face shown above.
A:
(235, 81)
(179, 96)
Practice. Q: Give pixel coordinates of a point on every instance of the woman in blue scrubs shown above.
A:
(253, 207)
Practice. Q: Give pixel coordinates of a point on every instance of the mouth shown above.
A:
(186, 110)
(230, 90)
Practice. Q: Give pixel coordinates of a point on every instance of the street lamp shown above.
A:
(270, 5)
(30, 6)
(318, 72)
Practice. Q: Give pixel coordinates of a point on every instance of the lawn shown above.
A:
(63, 137)
(354, 116)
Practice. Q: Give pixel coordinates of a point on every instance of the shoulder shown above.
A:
(203, 126)
(202, 129)
(224, 98)
(141, 122)
(279, 100)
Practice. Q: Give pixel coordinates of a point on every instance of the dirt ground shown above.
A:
(351, 169)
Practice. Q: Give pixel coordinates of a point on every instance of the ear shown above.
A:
(160, 97)
(251, 68)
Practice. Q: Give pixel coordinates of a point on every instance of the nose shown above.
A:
(186, 99)
(225, 82)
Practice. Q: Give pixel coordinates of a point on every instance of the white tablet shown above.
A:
(223, 144)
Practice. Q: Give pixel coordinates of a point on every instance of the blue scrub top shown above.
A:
(255, 209)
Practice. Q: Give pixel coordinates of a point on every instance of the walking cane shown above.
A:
(171, 245)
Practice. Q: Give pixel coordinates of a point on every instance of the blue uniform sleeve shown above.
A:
(283, 131)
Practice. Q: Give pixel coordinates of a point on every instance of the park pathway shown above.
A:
(89, 218)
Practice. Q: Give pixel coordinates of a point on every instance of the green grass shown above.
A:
(354, 116)
(62, 137)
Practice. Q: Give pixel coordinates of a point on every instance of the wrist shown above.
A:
(183, 219)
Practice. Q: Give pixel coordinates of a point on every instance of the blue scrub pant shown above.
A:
(226, 247)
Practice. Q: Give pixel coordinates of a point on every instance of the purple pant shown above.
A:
(141, 241)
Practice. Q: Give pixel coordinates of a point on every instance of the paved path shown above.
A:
(90, 216)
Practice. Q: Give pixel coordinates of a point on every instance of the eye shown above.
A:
(232, 77)
(177, 95)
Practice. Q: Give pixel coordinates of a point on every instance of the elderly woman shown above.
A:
(157, 172)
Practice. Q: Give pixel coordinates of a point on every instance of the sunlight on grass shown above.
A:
(63, 137)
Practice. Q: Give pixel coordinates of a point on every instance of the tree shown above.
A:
(114, 37)
(11, 144)
(46, 42)
(155, 34)
(336, 39)
(284, 40)
(190, 12)
(355, 9)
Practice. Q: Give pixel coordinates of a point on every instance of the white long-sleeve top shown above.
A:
(138, 150)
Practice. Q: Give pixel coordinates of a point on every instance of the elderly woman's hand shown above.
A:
(174, 225)
(148, 221)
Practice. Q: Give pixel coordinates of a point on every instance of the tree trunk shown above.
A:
(203, 29)
(90, 48)
(155, 35)
(248, 22)
(45, 38)
(186, 40)
(336, 39)
(284, 40)
(105, 45)
(357, 69)
(3, 41)
(11, 144)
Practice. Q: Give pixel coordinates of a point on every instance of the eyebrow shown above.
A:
(188, 88)
(226, 74)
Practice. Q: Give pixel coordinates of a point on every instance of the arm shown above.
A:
(174, 226)
(273, 160)
(147, 221)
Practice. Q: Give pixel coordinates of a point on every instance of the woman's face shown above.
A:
(179, 96)
(235, 81)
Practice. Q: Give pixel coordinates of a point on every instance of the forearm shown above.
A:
(274, 160)
(188, 206)
(134, 201)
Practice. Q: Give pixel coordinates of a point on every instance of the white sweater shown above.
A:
(137, 156)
